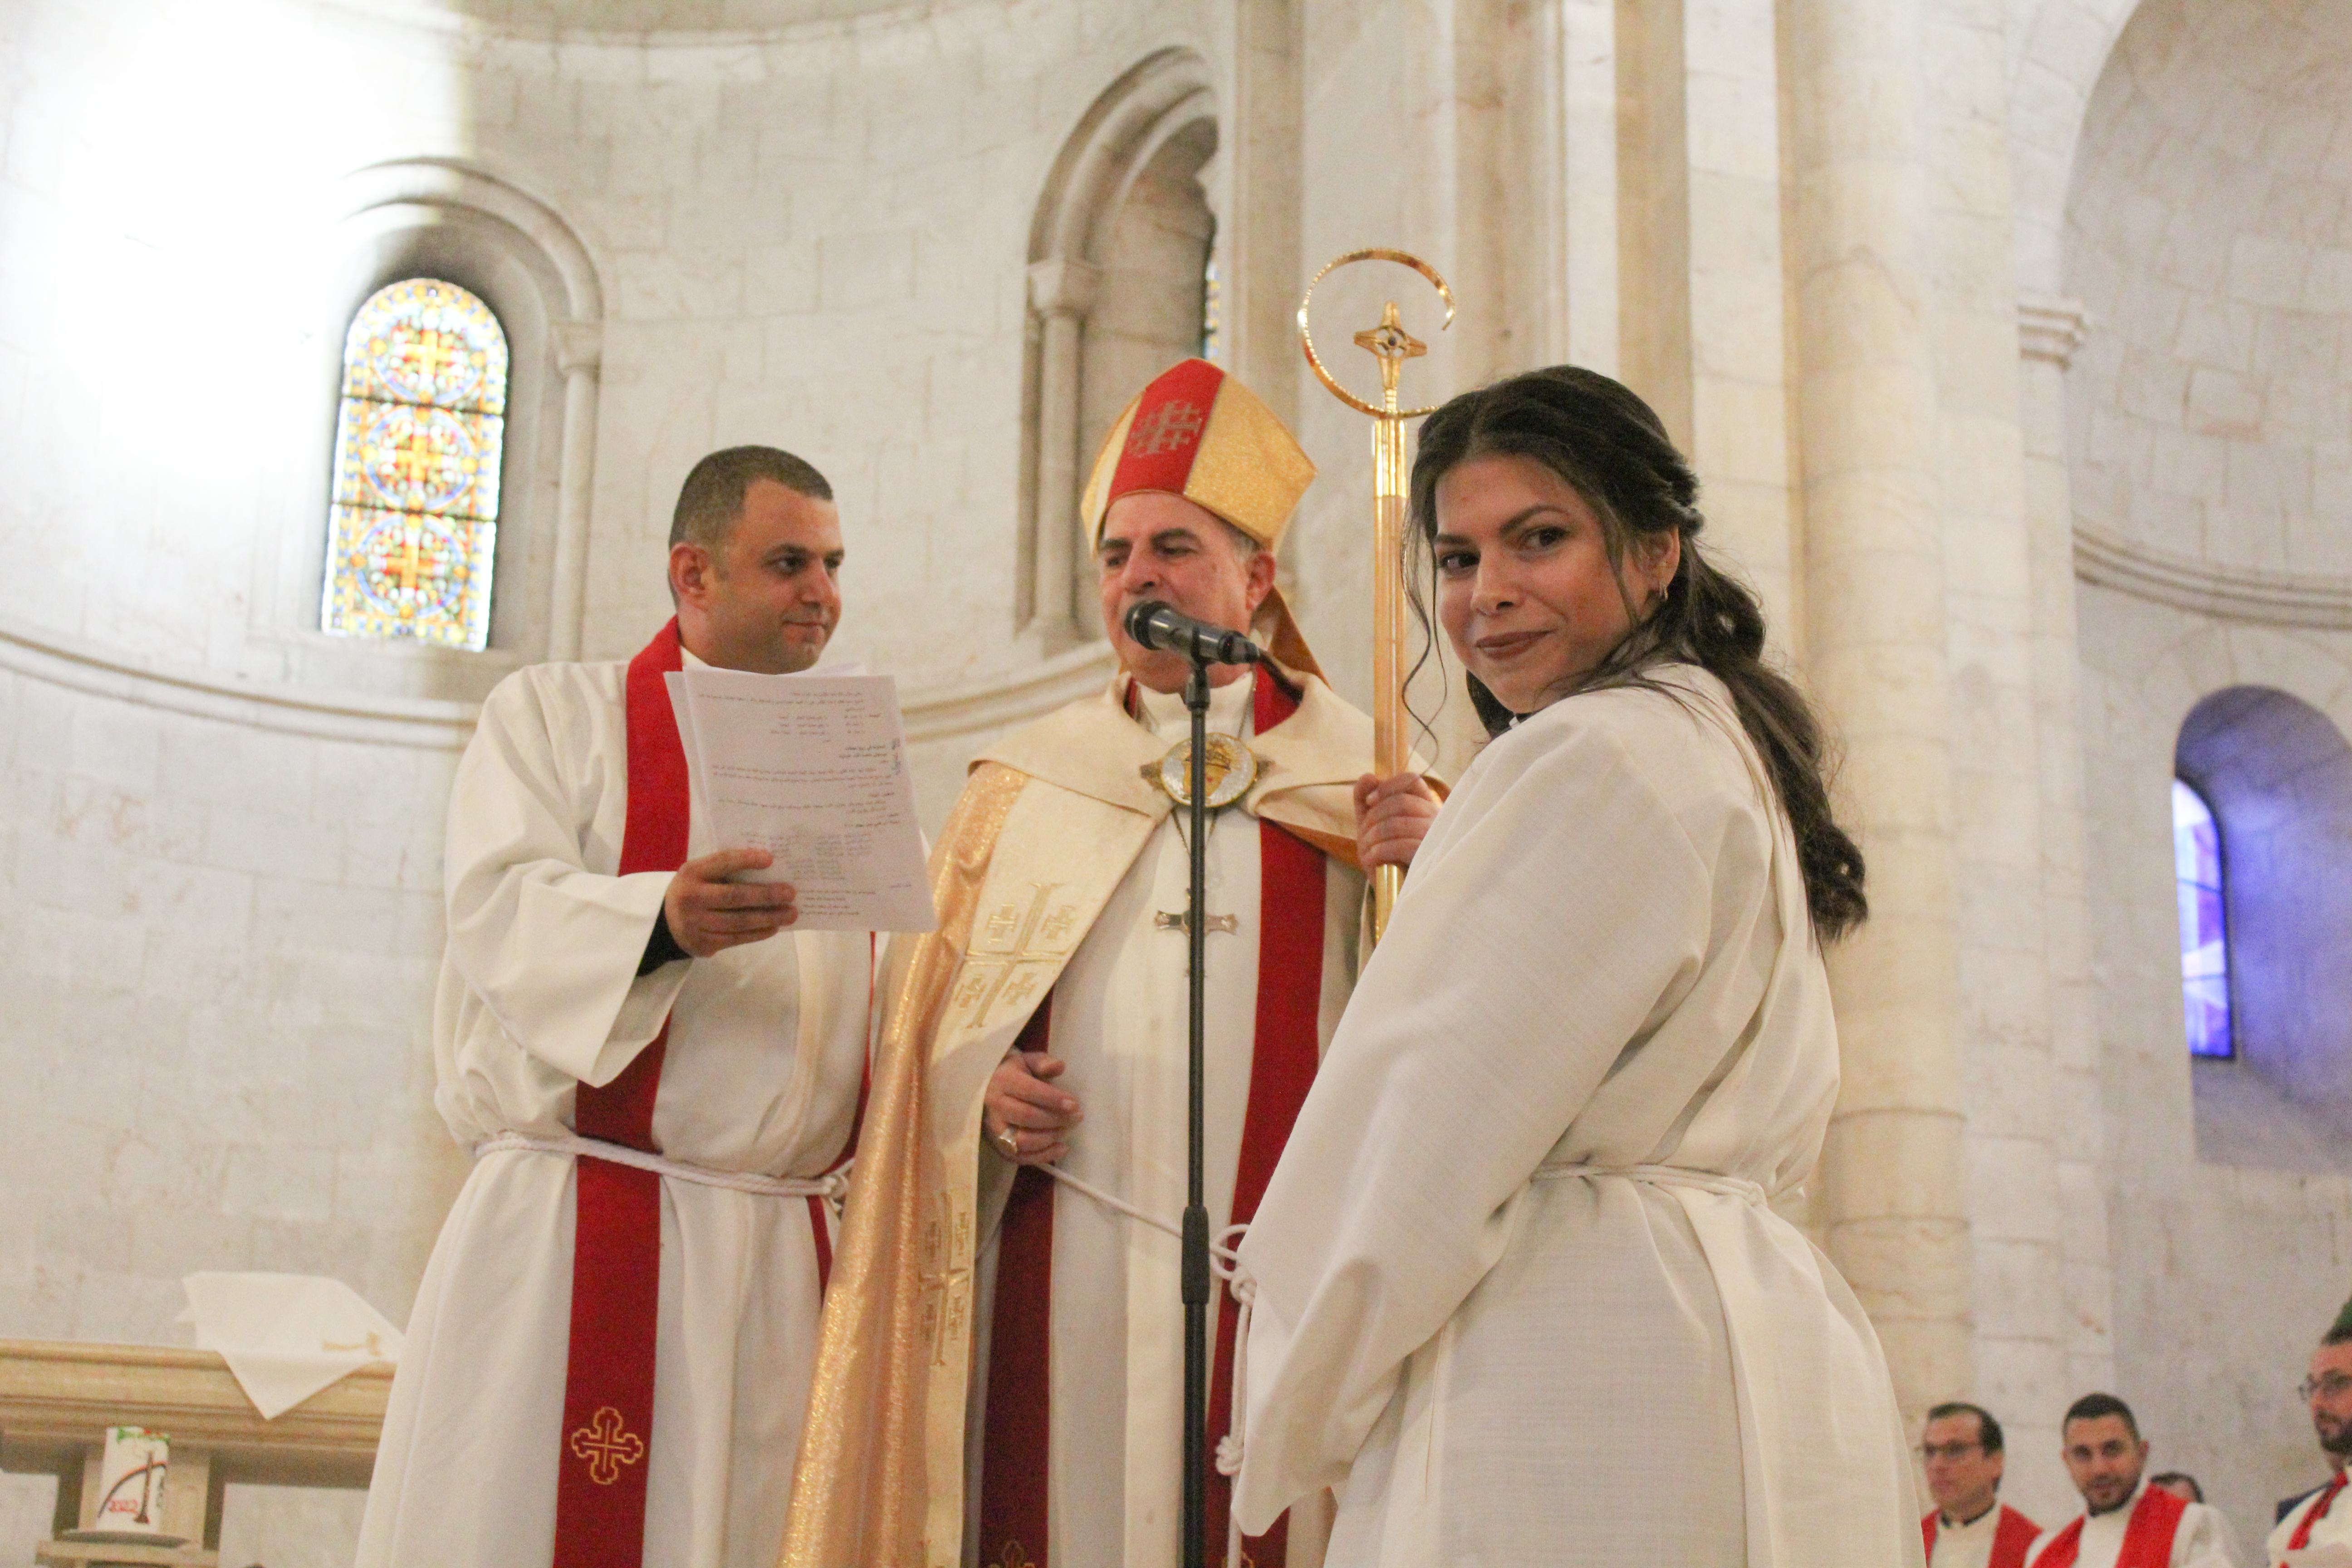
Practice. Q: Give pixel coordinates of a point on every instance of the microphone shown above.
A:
(1158, 624)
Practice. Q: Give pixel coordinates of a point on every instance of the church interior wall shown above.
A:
(2210, 423)
(2225, 1258)
(2007, 1025)
(2277, 775)
(812, 222)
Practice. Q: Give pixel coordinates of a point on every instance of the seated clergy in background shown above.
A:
(2125, 1522)
(611, 1347)
(2322, 1517)
(1003, 1355)
(1970, 1526)
(1521, 1294)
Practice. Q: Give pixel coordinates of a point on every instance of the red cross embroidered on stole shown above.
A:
(1014, 1513)
(608, 1390)
(2148, 1537)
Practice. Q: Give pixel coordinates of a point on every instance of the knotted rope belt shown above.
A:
(828, 1187)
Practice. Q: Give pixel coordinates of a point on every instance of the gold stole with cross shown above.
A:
(1045, 831)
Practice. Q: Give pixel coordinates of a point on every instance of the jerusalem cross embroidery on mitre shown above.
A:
(607, 1444)
(1169, 428)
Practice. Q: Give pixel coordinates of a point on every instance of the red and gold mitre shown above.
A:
(1197, 433)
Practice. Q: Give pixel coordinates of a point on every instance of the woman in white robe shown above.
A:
(1519, 1297)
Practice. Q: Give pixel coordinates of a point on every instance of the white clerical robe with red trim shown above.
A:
(539, 992)
(2202, 1540)
(1119, 1019)
(2318, 1523)
(1520, 1296)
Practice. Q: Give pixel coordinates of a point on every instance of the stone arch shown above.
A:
(440, 217)
(2065, 47)
(1116, 253)
(2278, 775)
(2206, 235)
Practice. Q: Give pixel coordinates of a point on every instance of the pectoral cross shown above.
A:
(1173, 920)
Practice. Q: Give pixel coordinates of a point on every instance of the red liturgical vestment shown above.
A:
(604, 1361)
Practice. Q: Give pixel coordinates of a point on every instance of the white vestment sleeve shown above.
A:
(1566, 913)
(550, 947)
(2204, 1539)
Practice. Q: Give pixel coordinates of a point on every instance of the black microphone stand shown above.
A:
(1196, 1274)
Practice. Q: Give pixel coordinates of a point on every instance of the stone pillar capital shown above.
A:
(1063, 286)
(578, 345)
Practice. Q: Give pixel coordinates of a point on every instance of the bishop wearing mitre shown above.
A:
(1000, 1376)
(658, 1080)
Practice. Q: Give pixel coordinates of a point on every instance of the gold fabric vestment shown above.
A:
(1047, 825)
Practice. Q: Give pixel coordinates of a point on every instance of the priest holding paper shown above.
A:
(659, 1081)
(1000, 1377)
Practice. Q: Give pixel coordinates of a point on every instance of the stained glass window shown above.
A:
(1213, 306)
(2204, 933)
(415, 517)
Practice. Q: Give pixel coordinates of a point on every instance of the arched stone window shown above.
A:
(412, 530)
(435, 221)
(2198, 888)
(2276, 775)
(1119, 275)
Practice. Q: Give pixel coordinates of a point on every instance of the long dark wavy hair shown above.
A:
(1608, 446)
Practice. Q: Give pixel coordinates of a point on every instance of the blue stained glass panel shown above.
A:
(2204, 930)
(413, 528)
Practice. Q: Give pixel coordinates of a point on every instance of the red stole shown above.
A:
(1013, 1515)
(2012, 1534)
(608, 1392)
(2148, 1537)
(2315, 1513)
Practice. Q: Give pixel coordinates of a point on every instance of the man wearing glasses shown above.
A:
(2315, 1520)
(1970, 1526)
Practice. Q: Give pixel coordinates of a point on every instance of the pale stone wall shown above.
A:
(2225, 1274)
(2209, 424)
(2014, 1140)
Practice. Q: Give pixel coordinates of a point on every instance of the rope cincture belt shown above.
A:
(1228, 1266)
(829, 1186)
(1224, 1260)
(1657, 1176)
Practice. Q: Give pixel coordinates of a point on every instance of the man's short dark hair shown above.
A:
(1989, 1437)
(2092, 1407)
(713, 496)
(2196, 1492)
(2340, 1333)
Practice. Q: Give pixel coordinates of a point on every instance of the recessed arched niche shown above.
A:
(2278, 775)
(1118, 253)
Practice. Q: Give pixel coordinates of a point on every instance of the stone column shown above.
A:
(1258, 218)
(2050, 332)
(1890, 1188)
(1061, 291)
(579, 354)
